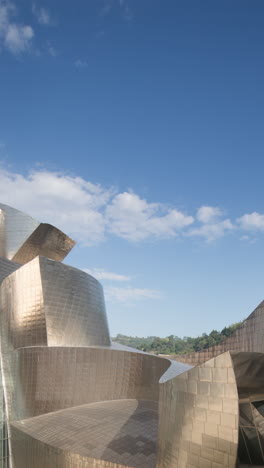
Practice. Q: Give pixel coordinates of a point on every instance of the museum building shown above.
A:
(71, 398)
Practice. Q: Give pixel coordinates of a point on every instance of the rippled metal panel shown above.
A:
(49, 303)
(22, 311)
(56, 354)
(15, 228)
(7, 267)
(199, 417)
(53, 378)
(74, 306)
(47, 241)
(247, 338)
(23, 238)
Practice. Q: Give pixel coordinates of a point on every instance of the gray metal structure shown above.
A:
(72, 399)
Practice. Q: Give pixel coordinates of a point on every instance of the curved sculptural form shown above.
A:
(22, 238)
(70, 398)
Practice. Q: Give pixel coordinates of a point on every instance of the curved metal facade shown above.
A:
(72, 399)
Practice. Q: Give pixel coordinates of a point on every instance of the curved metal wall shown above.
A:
(48, 303)
(199, 417)
(50, 379)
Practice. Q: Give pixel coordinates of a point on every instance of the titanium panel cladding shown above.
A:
(74, 306)
(15, 228)
(247, 338)
(61, 377)
(48, 303)
(23, 238)
(199, 417)
(7, 267)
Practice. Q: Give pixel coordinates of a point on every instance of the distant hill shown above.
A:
(173, 344)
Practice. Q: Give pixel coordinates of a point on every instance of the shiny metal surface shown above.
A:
(248, 338)
(198, 423)
(122, 432)
(15, 228)
(48, 303)
(78, 376)
(22, 238)
(7, 267)
(72, 399)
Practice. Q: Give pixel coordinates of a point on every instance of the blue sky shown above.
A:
(136, 126)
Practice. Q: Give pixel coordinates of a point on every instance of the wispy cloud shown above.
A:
(42, 15)
(123, 6)
(130, 295)
(91, 212)
(80, 64)
(212, 231)
(101, 274)
(51, 49)
(14, 36)
(119, 294)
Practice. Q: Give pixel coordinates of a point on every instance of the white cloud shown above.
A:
(42, 15)
(130, 295)
(89, 212)
(15, 37)
(252, 222)
(18, 38)
(213, 231)
(208, 214)
(134, 219)
(70, 203)
(101, 274)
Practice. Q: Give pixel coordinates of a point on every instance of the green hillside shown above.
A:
(173, 344)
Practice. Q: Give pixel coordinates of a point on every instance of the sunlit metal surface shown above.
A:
(22, 238)
(72, 399)
(49, 303)
(248, 337)
(77, 376)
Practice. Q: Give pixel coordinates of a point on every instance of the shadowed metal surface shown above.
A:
(198, 425)
(7, 267)
(123, 432)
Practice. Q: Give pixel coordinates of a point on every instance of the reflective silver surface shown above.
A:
(22, 238)
(6, 268)
(72, 399)
(48, 303)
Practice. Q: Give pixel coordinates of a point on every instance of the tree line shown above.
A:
(173, 344)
